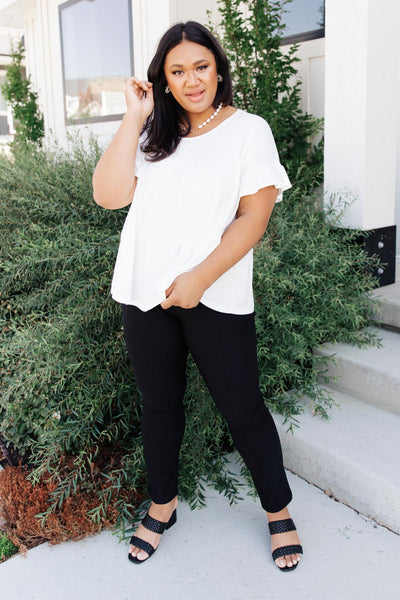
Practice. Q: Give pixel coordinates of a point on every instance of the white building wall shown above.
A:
(361, 107)
(397, 192)
(396, 127)
(8, 36)
(193, 10)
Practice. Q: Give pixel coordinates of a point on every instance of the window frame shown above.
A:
(99, 119)
(313, 34)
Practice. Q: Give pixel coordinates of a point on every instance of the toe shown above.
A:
(142, 555)
(281, 562)
(287, 561)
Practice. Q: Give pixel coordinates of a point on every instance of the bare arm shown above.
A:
(114, 180)
(242, 234)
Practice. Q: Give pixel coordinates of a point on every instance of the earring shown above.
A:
(167, 90)
(219, 77)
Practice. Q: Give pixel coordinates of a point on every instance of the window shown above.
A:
(97, 56)
(304, 20)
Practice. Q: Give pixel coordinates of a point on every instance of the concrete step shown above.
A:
(388, 311)
(354, 457)
(371, 374)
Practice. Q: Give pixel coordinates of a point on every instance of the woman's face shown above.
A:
(191, 73)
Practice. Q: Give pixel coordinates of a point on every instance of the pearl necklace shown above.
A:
(208, 120)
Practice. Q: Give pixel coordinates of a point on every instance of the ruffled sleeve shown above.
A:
(260, 165)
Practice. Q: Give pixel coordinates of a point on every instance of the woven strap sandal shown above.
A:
(283, 526)
(156, 527)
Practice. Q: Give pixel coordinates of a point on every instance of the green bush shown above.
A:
(24, 102)
(66, 382)
(7, 548)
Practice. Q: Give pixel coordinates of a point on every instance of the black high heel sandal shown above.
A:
(156, 527)
(283, 526)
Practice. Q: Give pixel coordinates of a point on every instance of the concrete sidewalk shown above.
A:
(221, 553)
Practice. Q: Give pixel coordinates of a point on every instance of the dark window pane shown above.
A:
(4, 130)
(303, 16)
(3, 104)
(97, 56)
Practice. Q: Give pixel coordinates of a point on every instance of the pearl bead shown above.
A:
(207, 120)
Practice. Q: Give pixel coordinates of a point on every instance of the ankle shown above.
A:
(163, 510)
(277, 516)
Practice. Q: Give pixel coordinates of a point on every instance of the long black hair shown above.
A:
(162, 130)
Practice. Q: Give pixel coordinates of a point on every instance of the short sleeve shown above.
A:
(260, 166)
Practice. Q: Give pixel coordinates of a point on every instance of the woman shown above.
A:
(203, 178)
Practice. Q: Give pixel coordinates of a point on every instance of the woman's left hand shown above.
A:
(185, 291)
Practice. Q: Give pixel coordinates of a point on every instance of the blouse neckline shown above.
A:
(212, 130)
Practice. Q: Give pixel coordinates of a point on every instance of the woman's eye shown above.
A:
(203, 67)
(177, 72)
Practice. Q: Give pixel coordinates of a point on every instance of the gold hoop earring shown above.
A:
(167, 90)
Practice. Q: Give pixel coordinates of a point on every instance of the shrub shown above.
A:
(7, 548)
(24, 102)
(23, 506)
(67, 387)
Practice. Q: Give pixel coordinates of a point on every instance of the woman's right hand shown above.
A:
(139, 97)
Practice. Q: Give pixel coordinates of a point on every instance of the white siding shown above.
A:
(311, 72)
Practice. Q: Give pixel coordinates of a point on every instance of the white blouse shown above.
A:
(182, 206)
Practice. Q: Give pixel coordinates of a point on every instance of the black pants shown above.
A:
(224, 347)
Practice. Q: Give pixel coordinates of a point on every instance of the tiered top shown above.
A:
(182, 206)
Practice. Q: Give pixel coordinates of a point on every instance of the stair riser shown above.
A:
(389, 314)
(360, 489)
(376, 388)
